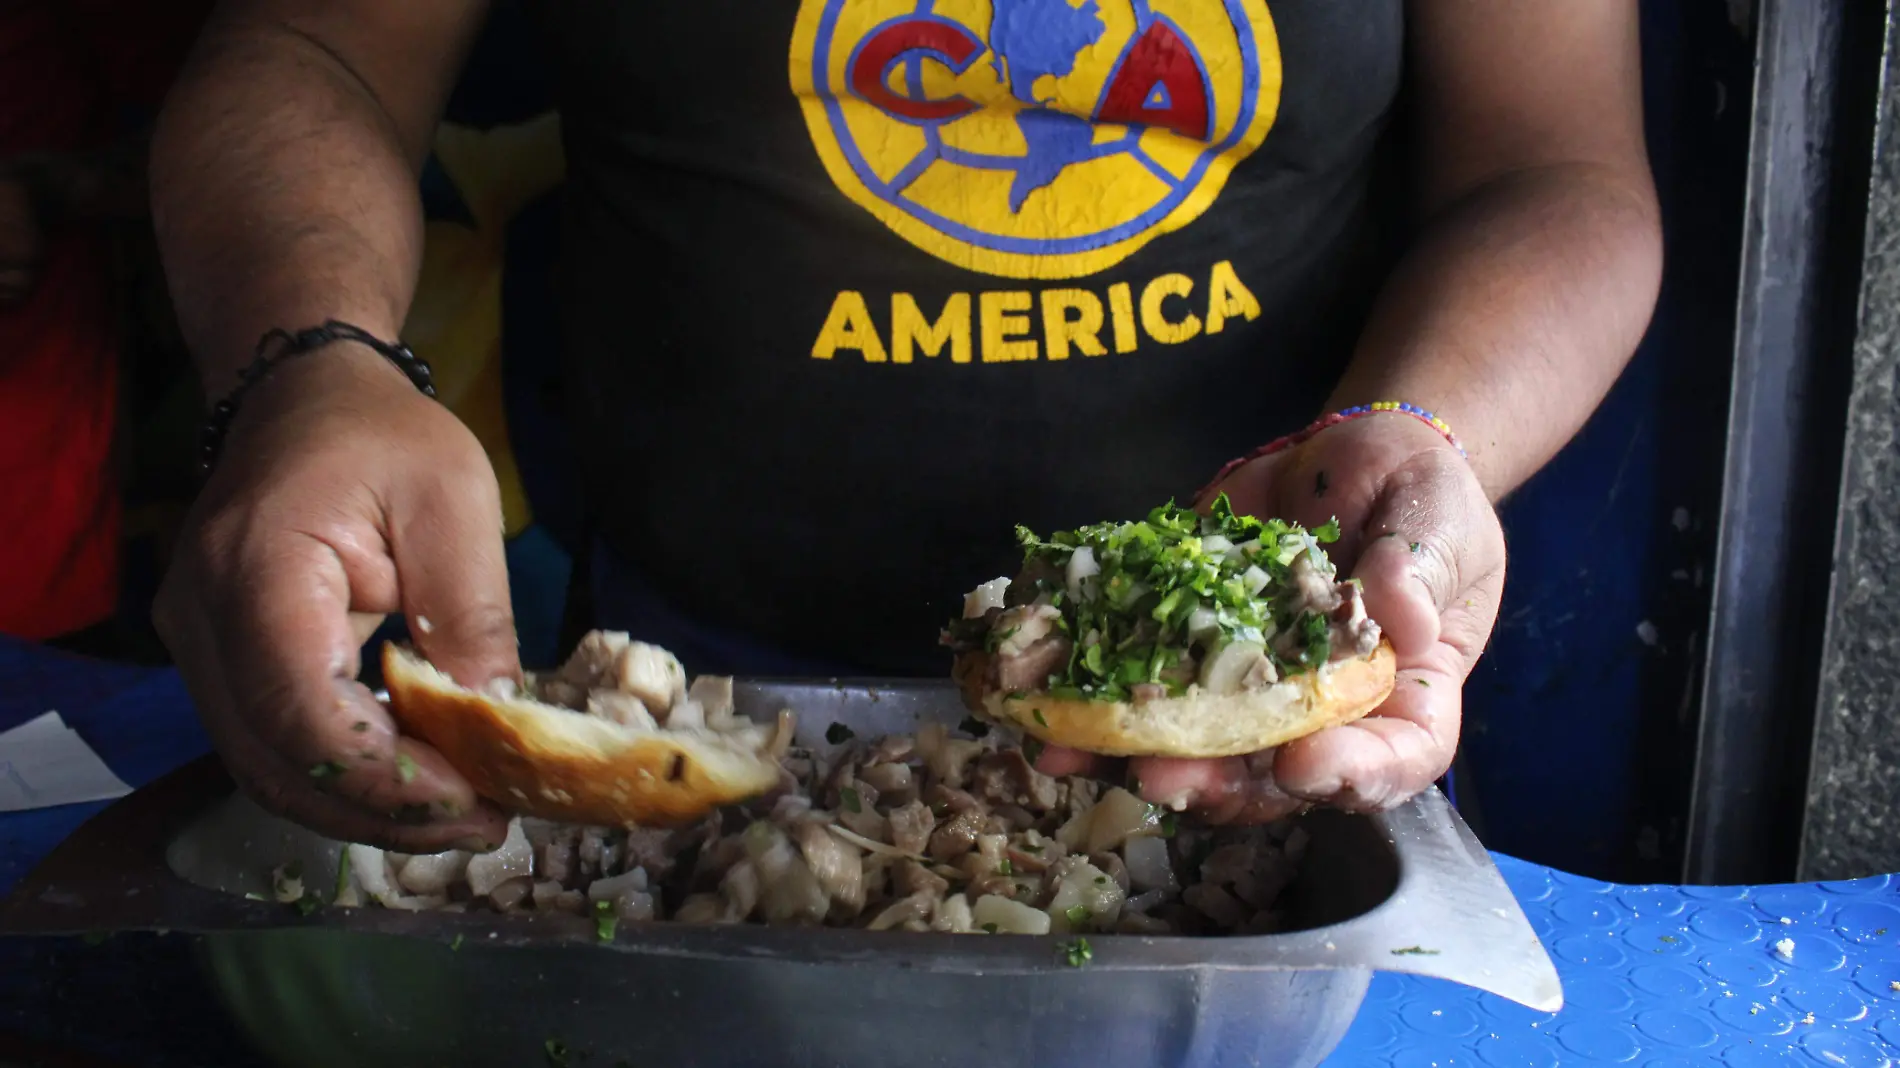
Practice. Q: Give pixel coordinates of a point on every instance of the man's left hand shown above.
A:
(1418, 531)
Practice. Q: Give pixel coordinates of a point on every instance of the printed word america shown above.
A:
(1009, 326)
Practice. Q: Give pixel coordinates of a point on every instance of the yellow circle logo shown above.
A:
(1035, 138)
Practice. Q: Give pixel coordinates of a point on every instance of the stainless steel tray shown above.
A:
(1410, 890)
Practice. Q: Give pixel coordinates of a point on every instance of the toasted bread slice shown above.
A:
(556, 763)
(1196, 724)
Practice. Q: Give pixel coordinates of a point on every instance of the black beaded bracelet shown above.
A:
(281, 345)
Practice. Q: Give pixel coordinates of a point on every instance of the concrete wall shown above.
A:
(1852, 826)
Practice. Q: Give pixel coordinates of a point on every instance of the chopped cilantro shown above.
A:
(838, 734)
(1422, 682)
(1076, 953)
(405, 768)
(1079, 914)
(849, 796)
(1415, 546)
(604, 920)
(1004, 867)
(1037, 712)
(342, 874)
(1169, 824)
(1030, 847)
(1318, 635)
(1414, 951)
(457, 944)
(1165, 588)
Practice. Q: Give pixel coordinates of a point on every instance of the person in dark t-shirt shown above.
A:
(853, 287)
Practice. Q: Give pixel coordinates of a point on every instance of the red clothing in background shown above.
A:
(66, 68)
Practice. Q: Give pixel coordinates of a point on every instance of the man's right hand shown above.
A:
(342, 495)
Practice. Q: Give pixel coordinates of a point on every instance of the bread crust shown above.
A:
(542, 760)
(1196, 724)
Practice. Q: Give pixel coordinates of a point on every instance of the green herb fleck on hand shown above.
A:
(1423, 683)
(1076, 953)
(360, 726)
(1415, 546)
(838, 734)
(405, 768)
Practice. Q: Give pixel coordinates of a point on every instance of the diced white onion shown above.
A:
(1008, 916)
(985, 597)
(1082, 567)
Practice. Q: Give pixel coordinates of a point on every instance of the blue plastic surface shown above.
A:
(1666, 976)
(1654, 976)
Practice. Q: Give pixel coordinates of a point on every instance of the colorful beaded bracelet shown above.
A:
(1346, 415)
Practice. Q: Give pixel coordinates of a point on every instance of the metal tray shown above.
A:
(1409, 890)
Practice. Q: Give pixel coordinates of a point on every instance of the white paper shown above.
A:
(44, 763)
(48, 725)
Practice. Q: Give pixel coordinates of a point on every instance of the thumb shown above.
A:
(453, 573)
(1408, 581)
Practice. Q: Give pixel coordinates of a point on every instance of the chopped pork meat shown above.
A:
(936, 832)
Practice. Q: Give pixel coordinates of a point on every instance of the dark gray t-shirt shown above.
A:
(853, 287)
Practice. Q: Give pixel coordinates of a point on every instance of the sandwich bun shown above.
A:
(1196, 724)
(639, 751)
